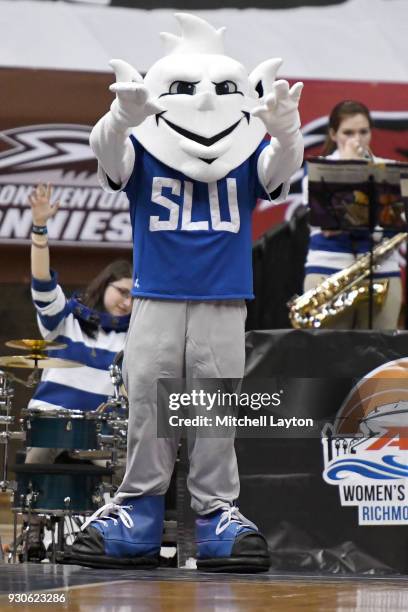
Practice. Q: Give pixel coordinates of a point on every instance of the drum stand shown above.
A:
(53, 519)
(6, 395)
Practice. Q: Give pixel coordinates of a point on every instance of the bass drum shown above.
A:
(53, 489)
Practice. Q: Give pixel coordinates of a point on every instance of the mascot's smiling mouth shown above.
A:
(207, 142)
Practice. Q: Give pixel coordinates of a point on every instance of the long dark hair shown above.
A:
(343, 110)
(92, 296)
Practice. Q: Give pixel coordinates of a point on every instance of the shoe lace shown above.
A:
(108, 509)
(232, 515)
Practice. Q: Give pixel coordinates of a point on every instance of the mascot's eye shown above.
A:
(225, 87)
(182, 87)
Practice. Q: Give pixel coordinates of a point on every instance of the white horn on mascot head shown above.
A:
(124, 72)
(197, 36)
(264, 75)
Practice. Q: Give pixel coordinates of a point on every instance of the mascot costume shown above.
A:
(187, 145)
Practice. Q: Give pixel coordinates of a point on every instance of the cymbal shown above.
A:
(37, 360)
(35, 345)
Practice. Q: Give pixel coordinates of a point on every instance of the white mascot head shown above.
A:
(205, 128)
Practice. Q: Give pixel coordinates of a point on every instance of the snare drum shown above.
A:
(62, 428)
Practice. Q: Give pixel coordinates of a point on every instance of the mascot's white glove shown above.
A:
(284, 155)
(109, 138)
(132, 104)
(279, 111)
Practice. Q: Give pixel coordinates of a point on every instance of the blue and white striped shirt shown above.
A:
(86, 387)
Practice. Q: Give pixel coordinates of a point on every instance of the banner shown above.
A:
(58, 154)
(46, 119)
(334, 503)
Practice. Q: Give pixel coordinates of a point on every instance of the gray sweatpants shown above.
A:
(180, 339)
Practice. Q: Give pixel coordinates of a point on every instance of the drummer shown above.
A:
(93, 326)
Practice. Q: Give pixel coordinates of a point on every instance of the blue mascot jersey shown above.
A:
(192, 240)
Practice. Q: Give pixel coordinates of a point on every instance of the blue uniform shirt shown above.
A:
(192, 240)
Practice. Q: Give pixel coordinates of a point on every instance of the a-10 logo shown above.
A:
(172, 223)
(365, 450)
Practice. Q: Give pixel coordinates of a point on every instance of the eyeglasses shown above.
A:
(125, 293)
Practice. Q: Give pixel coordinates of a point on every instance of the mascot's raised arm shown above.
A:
(187, 145)
(199, 112)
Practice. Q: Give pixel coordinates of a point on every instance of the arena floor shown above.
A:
(169, 590)
(68, 587)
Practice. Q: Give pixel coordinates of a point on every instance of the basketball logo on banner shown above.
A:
(366, 450)
(59, 154)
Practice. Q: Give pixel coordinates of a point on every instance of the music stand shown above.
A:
(404, 194)
(357, 196)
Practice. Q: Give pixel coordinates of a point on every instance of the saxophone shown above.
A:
(343, 289)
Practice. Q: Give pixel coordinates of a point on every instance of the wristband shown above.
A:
(39, 229)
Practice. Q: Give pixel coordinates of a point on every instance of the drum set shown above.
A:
(89, 450)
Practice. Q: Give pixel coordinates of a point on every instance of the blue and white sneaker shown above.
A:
(228, 542)
(121, 536)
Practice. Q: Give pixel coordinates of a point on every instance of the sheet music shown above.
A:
(342, 191)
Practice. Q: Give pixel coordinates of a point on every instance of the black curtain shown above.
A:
(278, 263)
